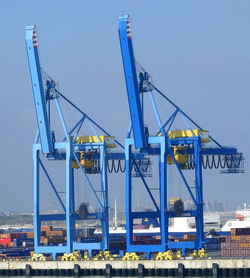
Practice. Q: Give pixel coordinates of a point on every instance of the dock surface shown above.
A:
(180, 268)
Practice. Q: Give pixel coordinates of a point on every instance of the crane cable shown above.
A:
(208, 161)
(222, 161)
(113, 167)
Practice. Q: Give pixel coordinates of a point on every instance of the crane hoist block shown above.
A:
(172, 200)
(180, 157)
(203, 134)
(85, 163)
(109, 140)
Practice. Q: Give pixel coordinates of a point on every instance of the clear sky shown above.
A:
(198, 53)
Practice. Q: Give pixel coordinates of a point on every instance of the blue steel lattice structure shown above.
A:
(169, 147)
(70, 150)
(138, 150)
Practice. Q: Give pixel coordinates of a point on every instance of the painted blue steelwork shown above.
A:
(162, 146)
(38, 91)
(68, 150)
(199, 194)
(131, 82)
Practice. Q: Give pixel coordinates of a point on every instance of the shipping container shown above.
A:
(225, 245)
(240, 231)
(23, 242)
(60, 233)
(5, 242)
(46, 228)
(54, 240)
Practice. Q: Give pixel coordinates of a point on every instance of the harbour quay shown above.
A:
(180, 268)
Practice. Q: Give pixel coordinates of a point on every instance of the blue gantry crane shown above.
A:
(187, 149)
(90, 154)
(94, 154)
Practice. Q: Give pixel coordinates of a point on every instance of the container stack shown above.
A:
(50, 236)
(237, 243)
(6, 240)
(26, 239)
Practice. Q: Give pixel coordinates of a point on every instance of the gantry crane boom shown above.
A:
(131, 82)
(38, 90)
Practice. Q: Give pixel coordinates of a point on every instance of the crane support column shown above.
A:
(199, 194)
(69, 208)
(36, 190)
(163, 190)
(129, 219)
(105, 205)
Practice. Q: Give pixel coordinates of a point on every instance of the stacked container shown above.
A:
(237, 244)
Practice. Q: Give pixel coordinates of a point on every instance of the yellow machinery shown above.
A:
(195, 254)
(88, 163)
(106, 255)
(204, 134)
(199, 254)
(172, 200)
(179, 151)
(109, 140)
(180, 158)
(38, 257)
(168, 255)
(74, 256)
(202, 253)
(130, 257)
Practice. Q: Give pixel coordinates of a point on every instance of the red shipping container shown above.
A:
(5, 242)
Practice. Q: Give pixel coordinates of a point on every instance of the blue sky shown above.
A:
(198, 53)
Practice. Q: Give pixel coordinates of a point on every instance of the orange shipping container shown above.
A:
(4, 235)
(30, 234)
(235, 238)
(46, 228)
(245, 245)
(55, 233)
